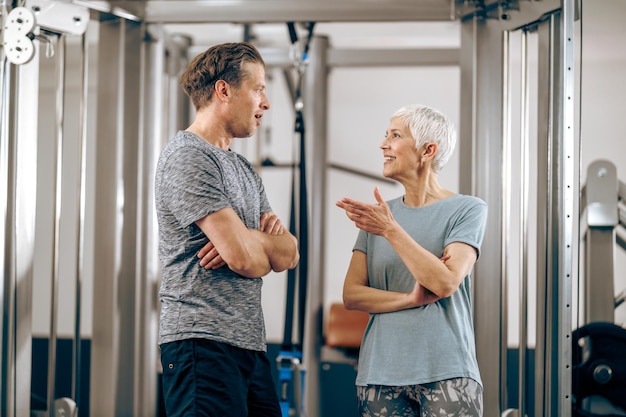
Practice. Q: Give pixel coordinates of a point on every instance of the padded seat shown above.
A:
(345, 328)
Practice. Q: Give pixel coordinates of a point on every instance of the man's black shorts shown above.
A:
(207, 378)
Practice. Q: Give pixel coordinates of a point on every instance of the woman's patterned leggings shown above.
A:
(458, 397)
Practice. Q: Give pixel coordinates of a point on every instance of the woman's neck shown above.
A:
(425, 192)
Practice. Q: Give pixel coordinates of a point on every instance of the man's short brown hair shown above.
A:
(220, 62)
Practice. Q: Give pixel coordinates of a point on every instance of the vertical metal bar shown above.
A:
(570, 184)
(5, 230)
(57, 197)
(113, 389)
(523, 227)
(554, 397)
(153, 129)
(315, 105)
(480, 139)
(178, 104)
(18, 168)
(105, 351)
(564, 159)
(26, 167)
(506, 191)
(7, 225)
(80, 226)
(544, 196)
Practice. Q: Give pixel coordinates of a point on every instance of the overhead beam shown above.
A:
(393, 57)
(275, 11)
(511, 14)
(280, 57)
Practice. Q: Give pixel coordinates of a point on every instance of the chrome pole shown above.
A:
(56, 195)
(80, 221)
(315, 105)
(506, 216)
(7, 258)
(523, 227)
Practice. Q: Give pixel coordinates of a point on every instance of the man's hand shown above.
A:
(270, 223)
(210, 258)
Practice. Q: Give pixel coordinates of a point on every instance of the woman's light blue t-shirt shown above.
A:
(430, 343)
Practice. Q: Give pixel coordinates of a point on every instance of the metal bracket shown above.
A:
(497, 9)
(60, 16)
(52, 16)
(602, 189)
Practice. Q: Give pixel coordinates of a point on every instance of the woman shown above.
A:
(410, 269)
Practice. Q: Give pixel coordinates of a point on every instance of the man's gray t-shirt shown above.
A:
(194, 179)
(433, 342)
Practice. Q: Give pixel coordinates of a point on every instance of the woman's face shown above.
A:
(401, 157)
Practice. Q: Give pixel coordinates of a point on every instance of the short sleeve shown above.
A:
(192, 185)
(361, 242)
(469, 225)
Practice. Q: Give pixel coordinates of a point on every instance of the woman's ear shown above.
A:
(429, 150)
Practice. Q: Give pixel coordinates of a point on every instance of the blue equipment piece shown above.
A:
(288, 364)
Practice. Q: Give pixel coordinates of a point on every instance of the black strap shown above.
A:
(291, 282)
(303, 265)
(302, 233)
(300, 273)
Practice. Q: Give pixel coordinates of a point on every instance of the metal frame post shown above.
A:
(117, 219)
(153, 133)
(17, 195)
(480, 141)
(484, 120)
(315, 105)
(556, 244)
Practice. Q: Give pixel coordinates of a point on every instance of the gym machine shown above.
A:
(32, 28)
(599, 345)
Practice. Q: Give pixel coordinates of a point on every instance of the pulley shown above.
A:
(17, 40)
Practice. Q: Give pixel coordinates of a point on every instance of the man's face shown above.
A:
(249, 102)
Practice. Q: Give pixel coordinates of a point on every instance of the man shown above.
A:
(218, 237)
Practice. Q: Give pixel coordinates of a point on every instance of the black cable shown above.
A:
(301, 271)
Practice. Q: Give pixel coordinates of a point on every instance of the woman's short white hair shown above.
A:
(428, 125)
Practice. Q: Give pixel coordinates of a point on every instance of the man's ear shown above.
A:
(222, 90)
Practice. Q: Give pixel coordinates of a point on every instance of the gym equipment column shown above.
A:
(56, 204)
(481, 167)
(557, 234)
(19, 83)
(484, 122)
(119, 274)
(154, 127)
(315, 105)
(20, 152)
